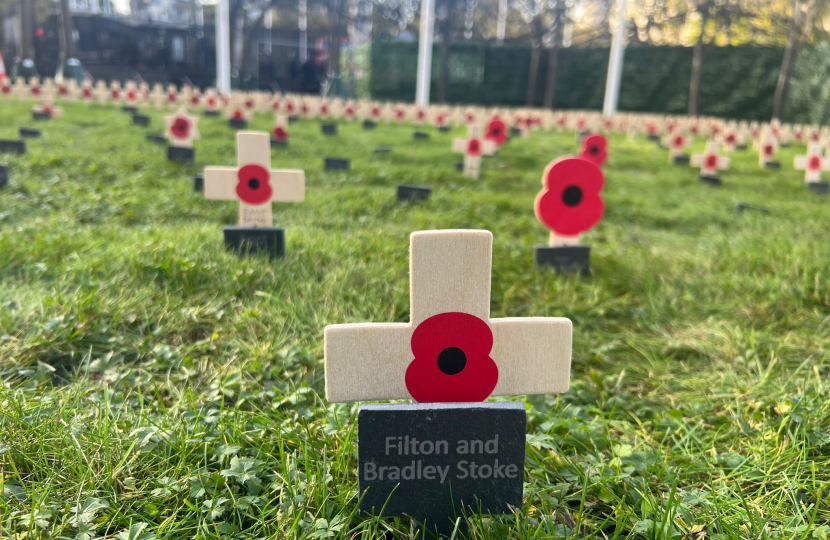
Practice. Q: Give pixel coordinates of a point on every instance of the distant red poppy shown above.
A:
(349, 113)
(47, 110)
(132, 96)
(304, 109)
(289, 107)
(180, 128)
(194, 100)
(399, 114)
(730, 139)
(254, 186)
(276, 106)
(211, 102)
(62, 90)
(172, 98)
(470, 118)
(710, 162)
(814, 163)
(280, 133)
(595, 149)
(421, 114)
(452, 361)
(768, 150)
(7, 90)
(324, 110)
(496, 131)
(87, 93)
(474, 147)
(36, 90)
(238, 115)
(375, 112)
(678, 141)
(115, 94)
(570, 202)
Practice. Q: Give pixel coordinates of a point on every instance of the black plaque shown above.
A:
(129, 109)
(382, 150)
(141, 120)
(337, 164)
(4, 175)
(741, 147)
(784, 144)
(743, 207)
(293, 118)
(420, 136)
(413, 193)
(198, 182)
(459, 166)
(682, 159)
(653, 138)
(564, 258)
(29, 133)
(156, 138)
(444, 129)
(369, 124)
(515, 132)
(278, 144)
(772, 165)
(710, 179)
(819, 188)
(180, 155)
(41, 115)
(238, 124)
(434, 461)
(245, 240)
(212, 114)
(328, 129)
(12, 147)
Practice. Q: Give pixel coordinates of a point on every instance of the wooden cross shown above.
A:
(211, 101)
(158, 96)
(115, 92)
(102, 93)
(131, 95)
(677, 142)
(236, 109)
(35, 89)
(473, 147)
(253, 183)
(449, 274)
(47, 107)
(182, 129)
(172, 95)
(767, 146)
(710, 161)
(813, 163)
(280, 132)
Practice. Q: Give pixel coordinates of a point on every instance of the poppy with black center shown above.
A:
(711, 162)
(815, 163)
(180, 128)
(254, 184)
(570, 202)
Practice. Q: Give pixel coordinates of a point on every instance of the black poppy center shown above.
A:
(594, 150)
(253, 183)
(452, 361)
(572, 196)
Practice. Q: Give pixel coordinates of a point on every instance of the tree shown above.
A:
(27, 23)
(67, 38)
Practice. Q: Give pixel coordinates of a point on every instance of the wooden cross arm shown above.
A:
(801, 162)
(459, 145)
(488, 147)
(723, 162)
(220, 183)
(696, 160)
(368, 362)
(289, 185)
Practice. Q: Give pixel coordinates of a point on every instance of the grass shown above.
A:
(157, 386)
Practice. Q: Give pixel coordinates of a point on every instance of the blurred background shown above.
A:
(728, 58)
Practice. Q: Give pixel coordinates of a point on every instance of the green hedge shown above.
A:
(737, 82)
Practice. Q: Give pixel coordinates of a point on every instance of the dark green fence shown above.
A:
(737, 82)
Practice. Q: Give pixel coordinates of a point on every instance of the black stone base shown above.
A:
(129, 109)
(328, 129)
(413, 193)
(515, 132)
(41, 116)
(440, 461)
(819, 188)
(564, 258)
(382, 150)
(141, 120)
(444, 129)
(4, 175)
(653, 138)
(459, 166)
(293, 118)
(337, 164)
(245, 240)
(238, 124)
(278, 144)
(156, 138)
(369, 124)
(772, 165)
(710, 179)
(198, 182)
(681, 160)
(741, 147)
(29, 133)
(180, 155)
(784, 144)
(420, 136)
(743, 207)
(12, 147)
(212, 114)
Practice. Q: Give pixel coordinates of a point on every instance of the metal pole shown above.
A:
(501, 23)
(223, 47)
(303, 28)
(615, 62)
(425, 52)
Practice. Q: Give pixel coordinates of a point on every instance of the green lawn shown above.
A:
(155, 385)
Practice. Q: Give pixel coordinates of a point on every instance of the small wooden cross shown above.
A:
(280, 132)
(47, 106)
(473, 147)
(236, 109)
(211, 101)
(172, 95)
(813, 163)
(182, 129)
(102, 93)
(35, 89)
(253, 183)
(677, 142)
(449, 275)
(158, 96)
(115, 92)
(767, 146)
(710, 161)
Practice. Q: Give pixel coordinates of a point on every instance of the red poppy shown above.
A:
(715, 130)
(304, 110)
(474, 148)
(62, 90)
(399, 113)
(730, 139)
(36, 90)
(452, 361)
(289, 107)
(254, 185)
(280, 133)
(194, 100)
(211, 102)
(131, 96)
(349, 112)
(767, 150)
(238, 115)
(711, 162)
(678, 141)
(470, 118)
(570, 202)
(441, 120)
(180, 128)
(693, 130)
(324, 110)
(814, 163)
(87, 93)
(580, 124)
(115, 94)
(47, 110)
(249, 104)
(815, 137)
(376, 112)
(7, 89)
(171, 97)
(276, 106)
(560, 122)
(421, 115)
(595, 149)
(496, 131)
